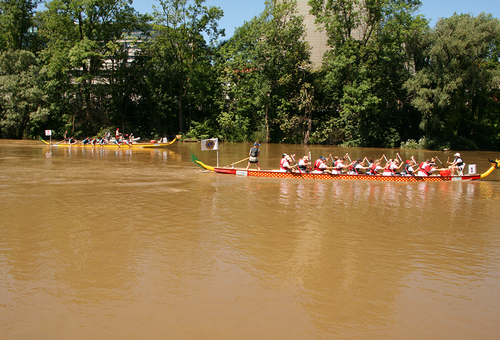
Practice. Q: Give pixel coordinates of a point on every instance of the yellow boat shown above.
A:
(114, 145)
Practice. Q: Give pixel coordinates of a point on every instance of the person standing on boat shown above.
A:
(65, 137)
(254, 154)
(117, 134)
(457, 164)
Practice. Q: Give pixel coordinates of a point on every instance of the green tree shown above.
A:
(86, 49)
(365, 68)
(181, 73)
(457, 89)
(267, 66)
(22, 98)
(17, 28)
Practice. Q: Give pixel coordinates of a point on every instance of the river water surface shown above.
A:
(141, 244)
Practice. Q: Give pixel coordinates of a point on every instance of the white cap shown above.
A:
(456, 155)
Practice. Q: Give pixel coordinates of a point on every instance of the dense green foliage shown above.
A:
(265, 67)
(388, 80)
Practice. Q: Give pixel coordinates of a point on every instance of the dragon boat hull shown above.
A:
(325, 176)
(114, 145)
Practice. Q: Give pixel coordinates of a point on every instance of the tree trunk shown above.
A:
(181, 126)
(267, 124)
(309, 126)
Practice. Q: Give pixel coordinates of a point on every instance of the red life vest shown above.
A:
(282, 162)
(353, 166)
(425, 168)
(317, 163)
(388, 168)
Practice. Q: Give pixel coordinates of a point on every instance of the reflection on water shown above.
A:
(128, 243)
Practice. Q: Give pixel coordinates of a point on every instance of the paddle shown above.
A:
(237, 162)
(293, 158)
(399, 157)
(333, 162)
(416, 164)
(415, 161)
(440, 162)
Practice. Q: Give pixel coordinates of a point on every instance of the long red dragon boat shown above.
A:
(495, 164)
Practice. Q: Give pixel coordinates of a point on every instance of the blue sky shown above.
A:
(236, 12)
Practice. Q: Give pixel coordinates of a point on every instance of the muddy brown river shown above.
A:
(142, 244)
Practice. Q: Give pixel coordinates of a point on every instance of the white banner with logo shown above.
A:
(210, 144)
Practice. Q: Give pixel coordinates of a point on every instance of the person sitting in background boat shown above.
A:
(254, 154)
(457, 164)
(408, 168)
(285, 163)
(128, 138)
(356, 167)
(303, 164)
(374, 168)
(126, 142)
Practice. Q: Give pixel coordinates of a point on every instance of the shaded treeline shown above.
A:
(388, 80)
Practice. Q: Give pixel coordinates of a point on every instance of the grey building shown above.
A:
(317, 40)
